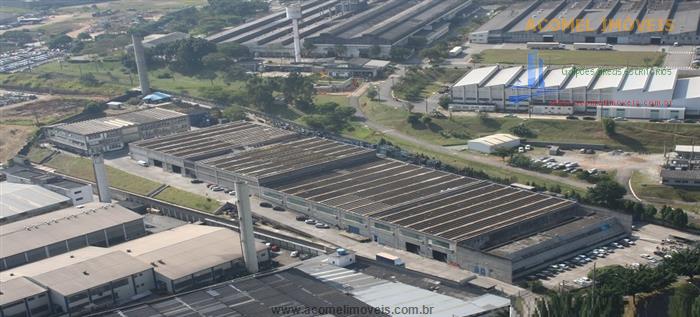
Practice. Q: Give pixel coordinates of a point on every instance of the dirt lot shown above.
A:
(647, 239)
(46, 110)
(13, 139)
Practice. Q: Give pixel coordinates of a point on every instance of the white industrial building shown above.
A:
(79, 193)
(489, 144)
(20, 201)
(647, 93)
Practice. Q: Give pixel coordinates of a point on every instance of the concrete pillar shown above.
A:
(245, 223)
(103, 191)
(141, 64)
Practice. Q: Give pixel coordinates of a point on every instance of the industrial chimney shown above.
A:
(141, 64)
(294, 14)
(245, 223)
(98, 165)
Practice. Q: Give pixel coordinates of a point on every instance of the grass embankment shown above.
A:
(652, 191)
(631, 136)
(187, 199)
(418, 84)
(112, 76)
(572, 57)
(81, 167)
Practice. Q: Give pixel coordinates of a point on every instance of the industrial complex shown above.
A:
(491, 229)
(594, 21)
(644, 93)
(346, 28)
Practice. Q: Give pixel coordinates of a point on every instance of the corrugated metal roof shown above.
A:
(556, 78)
(663, 81)
(504, 76)
(687, 88)
(582, 78)
(477, 76)
(117, 122)
(636, 79)
(496, 139)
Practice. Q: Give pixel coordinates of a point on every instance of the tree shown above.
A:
(234, 51)
(682, 300)
(399, 54)
(649, 212)
(426, 120)
(20, 37)
(259, 93)
(94, 108)
(216, 61)
(609, 126)
(372, 93)
(606, 193)
(685, 262)
(413, 118)
(375, 51)
(444, 102)
(189, 53)
(297, 89)
(308, 47)
(60, 42)
(502, 152)
(522, 131)
(695, 310)
(234, 113)
(84, 36)
(89, 80)
(234, 73)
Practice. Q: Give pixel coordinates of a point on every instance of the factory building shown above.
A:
(355, 28)
(84, 280)
(436, 214)
(113, 133)
(179, 152)
(191, 256)
(20, 201)
(645, 93)
(594, 21)
(57, 232)
(78, 193)
(94, 278)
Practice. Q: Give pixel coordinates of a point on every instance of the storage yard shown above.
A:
(595, 21)
(487, 228)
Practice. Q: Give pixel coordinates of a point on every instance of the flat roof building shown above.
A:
(57, 232)
(19, 201)
(113, 133)
(191, 256)
(22, 297)
(79, 193)
(87, 279)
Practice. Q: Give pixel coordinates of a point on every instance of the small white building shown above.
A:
(341, 257)
(489, 144)
(553, 109)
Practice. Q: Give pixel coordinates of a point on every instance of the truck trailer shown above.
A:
(546, 46)
(593, 47)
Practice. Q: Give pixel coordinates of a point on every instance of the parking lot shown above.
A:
(647, 240)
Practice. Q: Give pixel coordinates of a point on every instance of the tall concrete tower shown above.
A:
(141, 64)
(98, 164)
(294, 14)
(245, 223)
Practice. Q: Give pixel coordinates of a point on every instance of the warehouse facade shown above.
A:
(114, 133)
(644, 93)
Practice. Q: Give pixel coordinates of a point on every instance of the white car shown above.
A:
(294, 254)
(521, 150)
(528, 147)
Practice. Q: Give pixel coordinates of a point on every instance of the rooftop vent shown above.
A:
(128, 250)
(86, 273)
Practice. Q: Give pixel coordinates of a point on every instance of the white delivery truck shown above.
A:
(546, 46)
(455, 51)
(593, 46)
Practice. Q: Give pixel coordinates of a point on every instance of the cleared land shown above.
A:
(44, 111)
(571, 57)
(113, 79)
(13, 139)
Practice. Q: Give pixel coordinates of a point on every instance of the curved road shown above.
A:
(354, 102)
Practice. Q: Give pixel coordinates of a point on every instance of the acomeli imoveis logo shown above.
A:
(535, 82)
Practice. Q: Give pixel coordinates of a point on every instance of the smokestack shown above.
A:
(98, 165)
(245, 223)
(294, 14)
(141, 64)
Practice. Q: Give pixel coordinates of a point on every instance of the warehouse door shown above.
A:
(548, 38)
(611, 40)
(590, 39)
(177, 169)
(353, 229)
(656, 41)
(157, 163)
(413, 248)
(440, 256)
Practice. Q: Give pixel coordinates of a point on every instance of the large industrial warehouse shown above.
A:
(594, 21)
(488, 228)
(642, 93)
(357, 25)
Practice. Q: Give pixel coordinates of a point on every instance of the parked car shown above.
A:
(265, 204)
(274, 248)
(217, 189)
(310, 222)
(322, 225)
(196, 181)
(294, 254)
(277, 208)
(302, 218)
